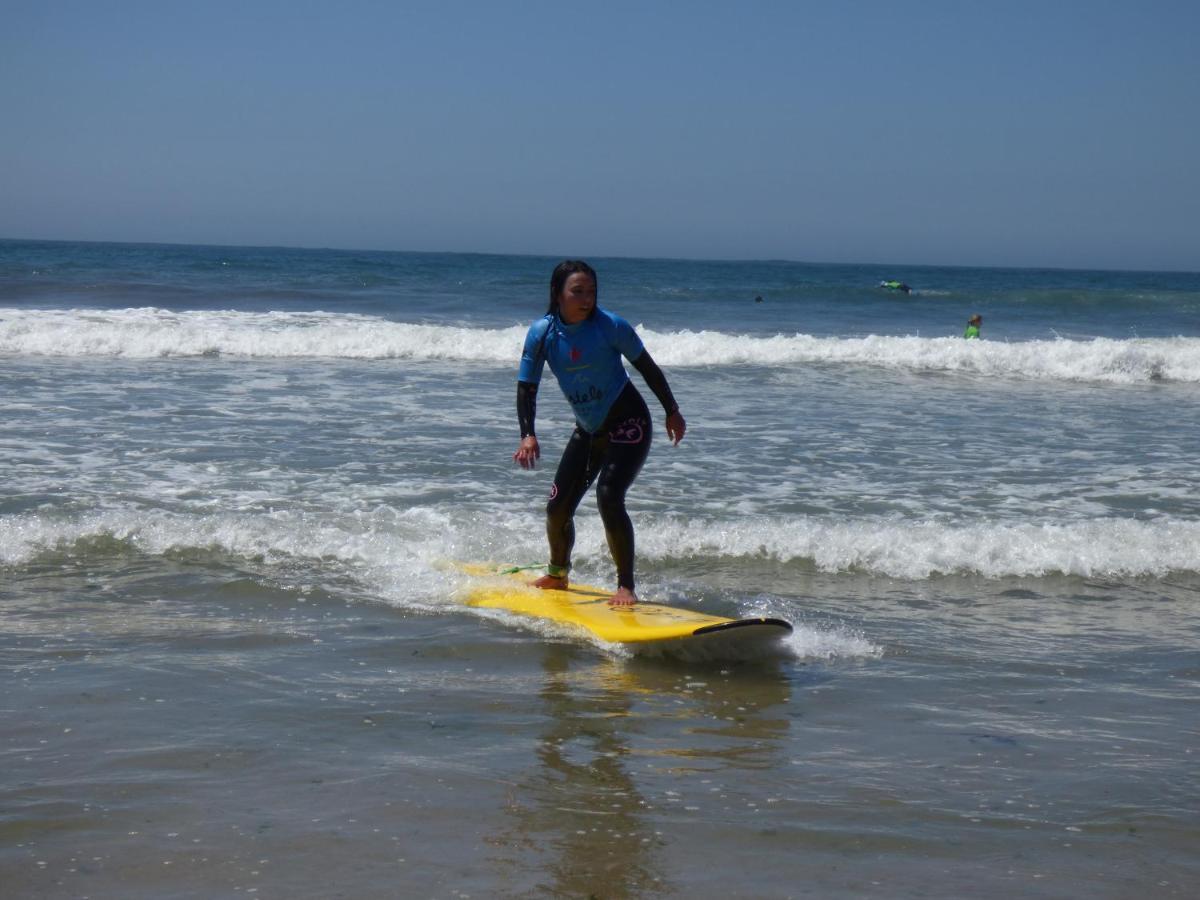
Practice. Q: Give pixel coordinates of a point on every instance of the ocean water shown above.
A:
(237, 662)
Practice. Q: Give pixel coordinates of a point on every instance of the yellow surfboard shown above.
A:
(642, 625)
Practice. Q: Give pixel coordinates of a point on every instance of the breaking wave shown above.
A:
(399, 549)
(151, 333)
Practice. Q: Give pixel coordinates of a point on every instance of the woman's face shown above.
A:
(578, 298)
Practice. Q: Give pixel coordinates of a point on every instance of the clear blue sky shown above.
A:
(957, 132)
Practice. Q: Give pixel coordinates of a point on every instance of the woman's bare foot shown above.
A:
(551, 583)
(623, 597)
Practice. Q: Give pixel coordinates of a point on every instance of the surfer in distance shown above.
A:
(583, 345)
(896, 286)
(973, 323)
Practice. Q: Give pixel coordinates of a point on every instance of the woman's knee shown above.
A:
(611, 500)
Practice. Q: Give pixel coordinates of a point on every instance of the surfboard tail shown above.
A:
(743, 640)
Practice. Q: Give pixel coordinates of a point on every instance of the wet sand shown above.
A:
(172, 732)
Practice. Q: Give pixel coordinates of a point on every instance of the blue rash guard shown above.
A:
(586, 360)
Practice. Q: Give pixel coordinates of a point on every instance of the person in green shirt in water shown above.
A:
(973, 324)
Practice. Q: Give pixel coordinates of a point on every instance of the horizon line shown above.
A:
(533, 255)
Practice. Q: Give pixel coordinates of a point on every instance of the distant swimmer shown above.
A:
(896, 286)
(758, 299)
(973, 323)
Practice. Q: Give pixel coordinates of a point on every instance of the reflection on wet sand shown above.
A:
(618, 735)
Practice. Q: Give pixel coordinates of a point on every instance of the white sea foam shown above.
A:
(154, 333)
(1100, 359)
(397, 552)
(901, 549)
(263, 535)
(816, 643)
(151, 333)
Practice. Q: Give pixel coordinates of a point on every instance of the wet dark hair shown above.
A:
(558, 281)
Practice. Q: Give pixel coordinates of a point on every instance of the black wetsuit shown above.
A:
(611, 457)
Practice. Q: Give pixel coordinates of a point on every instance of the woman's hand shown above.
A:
(528, 453)
(676, 427)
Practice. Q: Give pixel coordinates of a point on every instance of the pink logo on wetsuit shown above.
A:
(631, 431)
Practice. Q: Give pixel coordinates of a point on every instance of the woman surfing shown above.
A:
(584, 345)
